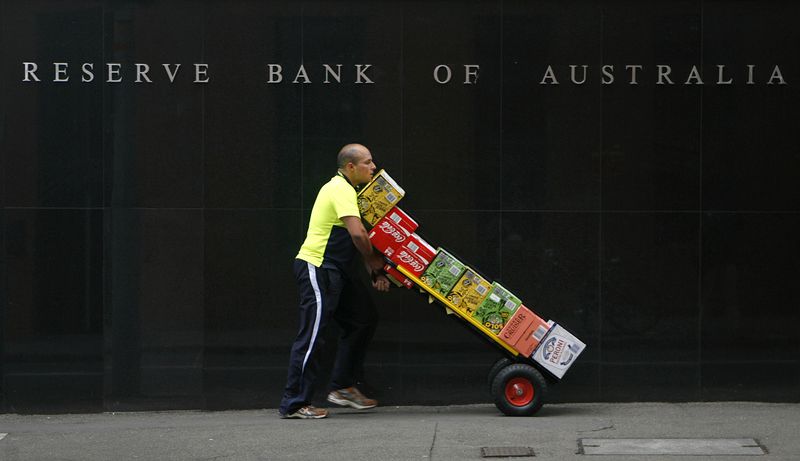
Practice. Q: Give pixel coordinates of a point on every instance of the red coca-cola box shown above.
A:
(402, 219)
(414, 255)
(388, 237)
(523, 329)
(397, 277)
(422, 248)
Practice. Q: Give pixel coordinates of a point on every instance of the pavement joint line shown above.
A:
(433, 442)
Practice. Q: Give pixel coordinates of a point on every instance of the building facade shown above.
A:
(628, 169)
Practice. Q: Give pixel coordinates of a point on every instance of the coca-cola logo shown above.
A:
(409, 260)
(387, 228)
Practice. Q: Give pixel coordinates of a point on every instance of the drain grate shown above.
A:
(688, 447)
(506, 452)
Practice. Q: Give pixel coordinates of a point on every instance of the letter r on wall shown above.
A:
(30, 72)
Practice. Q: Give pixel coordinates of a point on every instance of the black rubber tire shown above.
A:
(498, 365)
(527, 373)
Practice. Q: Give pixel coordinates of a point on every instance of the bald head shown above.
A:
(350, 153)
(355, 163)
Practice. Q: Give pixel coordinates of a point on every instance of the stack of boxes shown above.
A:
(393, 235)
(500, 312)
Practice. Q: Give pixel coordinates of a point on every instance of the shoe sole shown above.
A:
(297, 416)
(349, 403)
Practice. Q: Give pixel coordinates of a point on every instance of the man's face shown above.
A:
(363, 168)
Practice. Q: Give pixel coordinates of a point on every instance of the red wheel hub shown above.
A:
(519, 392)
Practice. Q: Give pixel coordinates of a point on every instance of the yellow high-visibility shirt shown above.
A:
(328, 243)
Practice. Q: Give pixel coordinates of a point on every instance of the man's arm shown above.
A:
(360, 238)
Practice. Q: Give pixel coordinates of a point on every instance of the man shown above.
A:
(327, 290)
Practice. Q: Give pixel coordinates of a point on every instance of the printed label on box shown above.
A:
(558, 350)
(425, 249)
(518, 324)
(540, 332)
(412, 255)
(531, 337)
(468, 293)
(387, 238)
(396, 233)
(411, 261)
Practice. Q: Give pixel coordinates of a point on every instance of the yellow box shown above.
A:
(469, 292)
(378, 197)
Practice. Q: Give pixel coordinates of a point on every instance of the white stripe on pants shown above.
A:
(312, 275)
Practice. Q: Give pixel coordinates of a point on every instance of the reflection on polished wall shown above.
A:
(148, 229)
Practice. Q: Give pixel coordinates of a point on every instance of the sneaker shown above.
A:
(307, 412)
(351, 397)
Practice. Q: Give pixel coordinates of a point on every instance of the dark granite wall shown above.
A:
(148, 229)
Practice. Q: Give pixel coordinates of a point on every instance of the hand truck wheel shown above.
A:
(519, 390)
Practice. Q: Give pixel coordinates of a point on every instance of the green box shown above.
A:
(497, 308)
(443, 272)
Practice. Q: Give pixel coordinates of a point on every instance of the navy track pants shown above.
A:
(325, 294)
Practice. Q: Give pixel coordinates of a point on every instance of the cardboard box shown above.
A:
(402, 219)
(419, 246)
(443, 272)
(531, 338)
(524, 330)
(558, 350)
(497, 308)
(396, 277)
(387, 237)
(415, 255)
(378, 197)
(408, 250)
(469, 292)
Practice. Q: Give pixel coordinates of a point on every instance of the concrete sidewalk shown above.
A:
(394, 433)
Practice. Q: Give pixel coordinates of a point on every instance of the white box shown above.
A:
(558, 350)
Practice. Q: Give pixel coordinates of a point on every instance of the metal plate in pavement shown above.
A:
(506, 452)
(690, 447)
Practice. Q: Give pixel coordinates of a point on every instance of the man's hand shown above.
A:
(375, 262)
(380, 283)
